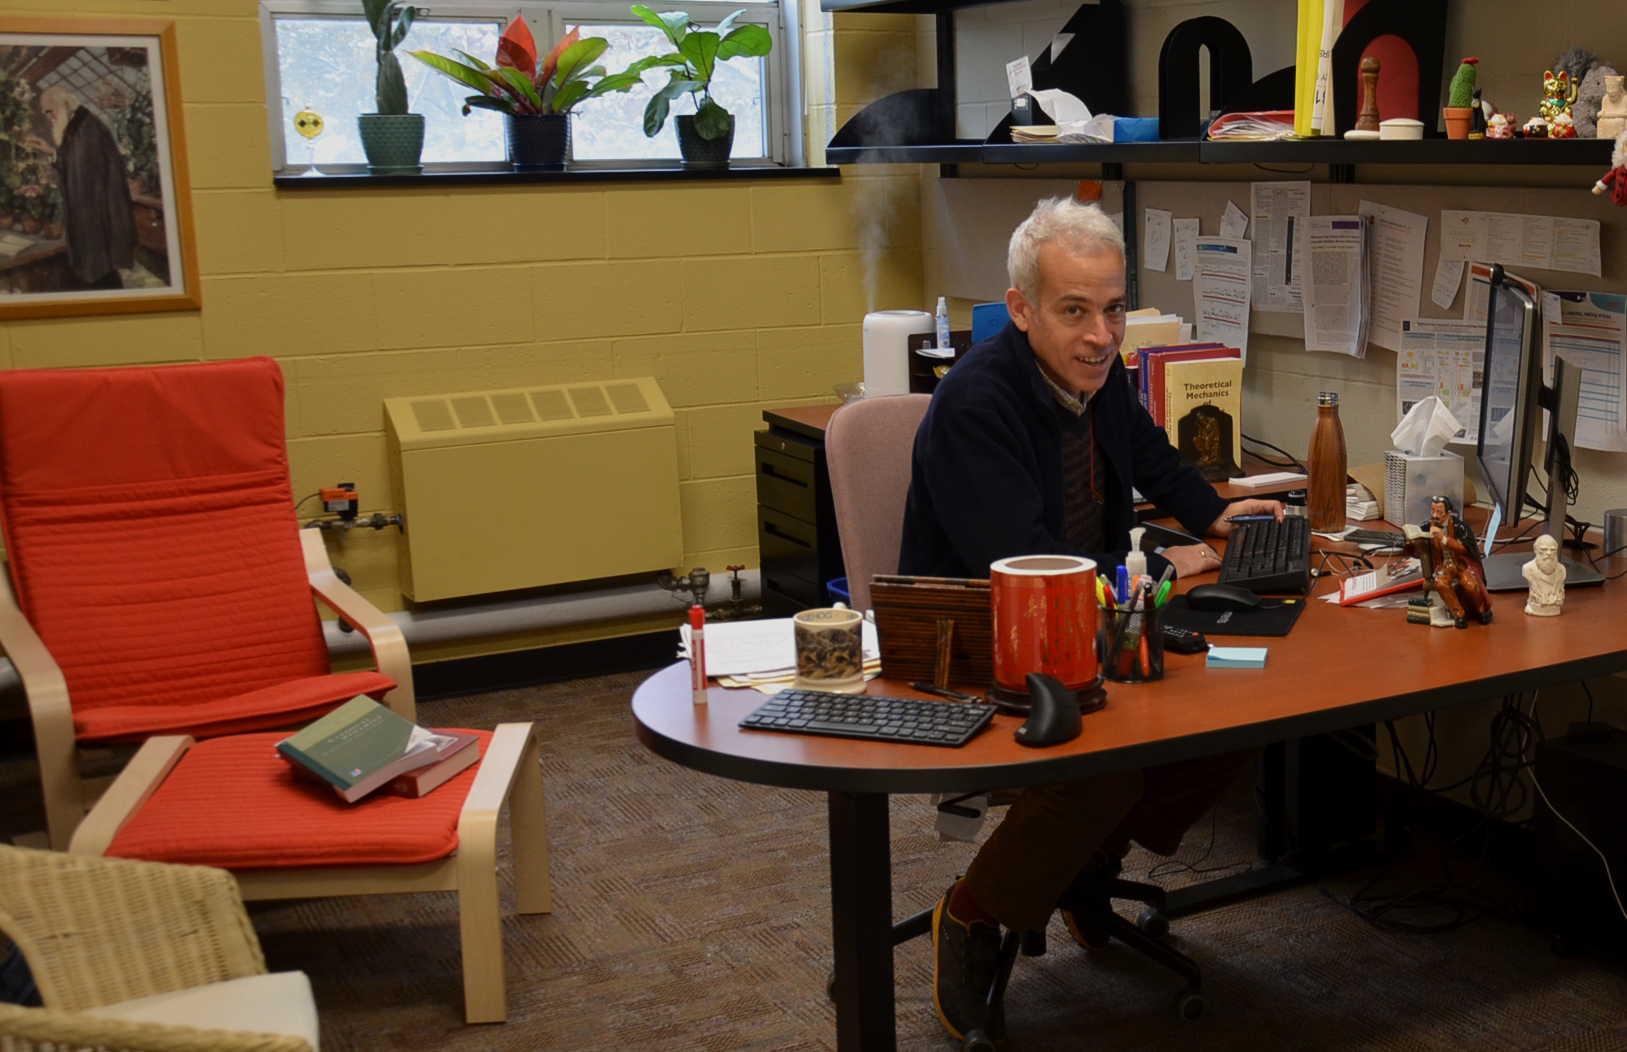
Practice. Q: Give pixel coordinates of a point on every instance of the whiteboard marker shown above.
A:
(697, 652)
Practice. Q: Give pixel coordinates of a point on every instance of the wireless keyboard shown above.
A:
(870, 718)
(1269, 556)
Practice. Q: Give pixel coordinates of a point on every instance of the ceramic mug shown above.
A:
(830, 650)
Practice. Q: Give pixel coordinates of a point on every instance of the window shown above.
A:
(319, 55)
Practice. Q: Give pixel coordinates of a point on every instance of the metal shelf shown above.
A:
(1580, 152)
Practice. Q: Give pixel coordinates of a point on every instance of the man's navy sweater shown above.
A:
(986, 476)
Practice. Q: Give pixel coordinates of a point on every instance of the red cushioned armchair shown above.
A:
(163, 595)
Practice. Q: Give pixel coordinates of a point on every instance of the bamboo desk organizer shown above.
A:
(937, 628)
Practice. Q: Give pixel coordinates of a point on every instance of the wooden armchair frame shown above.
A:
(510, 772)
(67, 795)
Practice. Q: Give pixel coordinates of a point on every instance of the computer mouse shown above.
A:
(1053, 713)
(1219, 597)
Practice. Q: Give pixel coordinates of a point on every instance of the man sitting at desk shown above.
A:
(1031, 446)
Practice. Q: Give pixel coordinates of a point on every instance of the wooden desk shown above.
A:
(1338, 668)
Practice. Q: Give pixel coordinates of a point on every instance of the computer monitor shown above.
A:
(1512, 396)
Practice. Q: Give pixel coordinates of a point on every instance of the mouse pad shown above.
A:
(1273, 617)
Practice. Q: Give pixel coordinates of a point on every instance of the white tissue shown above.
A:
(1061, 106)
(1426, 429)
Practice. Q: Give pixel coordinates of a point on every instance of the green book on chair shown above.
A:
(361, 746)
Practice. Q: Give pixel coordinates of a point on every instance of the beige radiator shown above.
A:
(536, 486)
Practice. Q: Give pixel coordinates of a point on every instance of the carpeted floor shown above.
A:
(693, 913)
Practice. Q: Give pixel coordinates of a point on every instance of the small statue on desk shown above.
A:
(1477, 119)
(1501, 126)
(1558, 94)
(1451, 559)
(1545, 575)
(1612, 120)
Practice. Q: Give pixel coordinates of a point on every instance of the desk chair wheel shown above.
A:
(1153, 923)
(1189, 1005)
(978, 1041)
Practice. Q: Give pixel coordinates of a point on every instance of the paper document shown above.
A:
(1444, 359)
(1591, 332)
(1280, 212)
(1395, 270)
(1543, 242)
(1019, 78)
(1234, 223)
(1336, 285)
(1448, 279)
(742, 648)
(1156, 243)
(1186, 236)
(1061, 106)
(1149, 330)
(1222, 273)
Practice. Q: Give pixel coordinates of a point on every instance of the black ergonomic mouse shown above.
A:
(1218, 597)
(1053, 713)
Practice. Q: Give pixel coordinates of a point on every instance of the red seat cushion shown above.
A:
(232, 803)
(284, 705)
(152, 540)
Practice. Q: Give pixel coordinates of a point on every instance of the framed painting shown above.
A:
(95, 206)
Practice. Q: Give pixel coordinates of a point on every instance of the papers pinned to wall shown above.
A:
(1590, 330)
(1280, 212)
(1336, 289)
(1395, 269)
(1221, 278)
(1443, 358)
(1539, 242)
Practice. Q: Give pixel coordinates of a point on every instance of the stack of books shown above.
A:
(1034, 132)
(362, 747)
(1195, 393)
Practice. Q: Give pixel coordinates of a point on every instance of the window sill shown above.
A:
(362, 180)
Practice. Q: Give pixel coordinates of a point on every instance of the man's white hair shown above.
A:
(1083, 228)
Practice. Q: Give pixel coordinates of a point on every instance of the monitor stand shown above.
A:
(1503, 572)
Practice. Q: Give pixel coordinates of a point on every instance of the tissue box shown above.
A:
(1409, 482)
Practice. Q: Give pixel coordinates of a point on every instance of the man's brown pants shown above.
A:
(1051, 832)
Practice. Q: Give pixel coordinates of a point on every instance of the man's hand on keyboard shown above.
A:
(1190, 560)
(1221, 528)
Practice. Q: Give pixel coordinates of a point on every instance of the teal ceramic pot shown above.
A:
(393, 142)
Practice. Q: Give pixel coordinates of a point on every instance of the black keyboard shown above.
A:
(870, 717)
(1269, 556)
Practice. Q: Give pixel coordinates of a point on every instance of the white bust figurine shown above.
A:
(1612, 109)
(1546, 576)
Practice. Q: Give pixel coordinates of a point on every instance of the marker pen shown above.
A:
(697, 652)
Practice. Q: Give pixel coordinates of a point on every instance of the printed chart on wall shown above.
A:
(1280, 214)
(1590, 330)
(1445, 359)
(1220, 291)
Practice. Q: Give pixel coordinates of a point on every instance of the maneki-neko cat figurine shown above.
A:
(1558, 96)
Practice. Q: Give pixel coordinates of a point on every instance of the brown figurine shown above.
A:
(1452, 557)
(1367, 120)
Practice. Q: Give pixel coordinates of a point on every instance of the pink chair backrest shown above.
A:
(867, 448)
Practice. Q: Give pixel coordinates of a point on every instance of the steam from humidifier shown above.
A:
(886, 349)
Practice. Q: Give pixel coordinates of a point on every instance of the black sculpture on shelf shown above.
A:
(1421, 24)
(1091, 66)
(904, 118)
(1231, 72)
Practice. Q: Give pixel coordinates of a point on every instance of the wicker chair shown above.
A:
(96, 932)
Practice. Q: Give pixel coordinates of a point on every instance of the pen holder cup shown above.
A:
(830, 650)
(1133, 645)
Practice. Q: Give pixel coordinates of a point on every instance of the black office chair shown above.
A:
(1095, 923)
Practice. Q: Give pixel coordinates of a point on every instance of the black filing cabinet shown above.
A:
(796, 521)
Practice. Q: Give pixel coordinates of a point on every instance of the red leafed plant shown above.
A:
(520, 85)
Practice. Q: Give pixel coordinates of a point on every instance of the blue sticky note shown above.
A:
(1235, 657)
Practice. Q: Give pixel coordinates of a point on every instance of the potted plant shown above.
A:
(392, 137)
(705, 137)
(536, 96)
(1459, 111)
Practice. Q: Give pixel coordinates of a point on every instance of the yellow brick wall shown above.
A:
(736, 296)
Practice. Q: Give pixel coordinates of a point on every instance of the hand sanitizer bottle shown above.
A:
(943, 325)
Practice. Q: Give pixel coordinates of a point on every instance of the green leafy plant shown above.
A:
(389, 20)
(694, 64)
(522, 85)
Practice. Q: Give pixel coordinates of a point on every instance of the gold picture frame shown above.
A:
(90, 111)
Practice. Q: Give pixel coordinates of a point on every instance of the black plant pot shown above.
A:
(539, 142)
(704, 153)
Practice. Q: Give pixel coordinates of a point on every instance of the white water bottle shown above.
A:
(943, 324)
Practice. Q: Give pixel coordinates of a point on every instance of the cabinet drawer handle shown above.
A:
(768, 469)
(774, 531)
